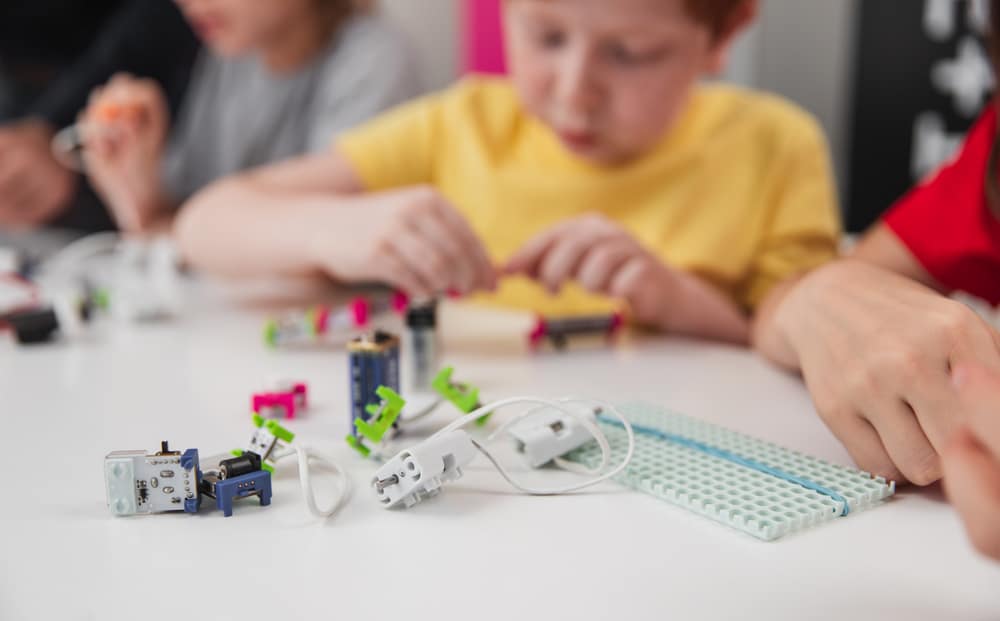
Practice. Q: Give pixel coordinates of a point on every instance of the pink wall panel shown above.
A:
(482, 37)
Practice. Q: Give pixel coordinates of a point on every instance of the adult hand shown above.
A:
(34, 187)
(877, 352)
(972, 459)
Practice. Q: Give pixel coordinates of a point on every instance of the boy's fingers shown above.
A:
(563, 259)
(426, 260)
(862, 442)
(473, 247)
(972, 481)
(399, 273)
(979, 398)
(601, 264)
(934, 406)
(529, 256)
(628, 279)
(906, 444)
(460, 263)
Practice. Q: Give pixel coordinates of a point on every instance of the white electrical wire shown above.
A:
(560, 405)
(428, 410)
(305, 478)
(586, 421)
(74, 253)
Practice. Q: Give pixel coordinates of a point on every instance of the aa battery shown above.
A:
(421, 347)
(373, 361)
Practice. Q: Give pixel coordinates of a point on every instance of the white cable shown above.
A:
(429, 409)
(559, 405)
(81, 249)
(589, 425)
(305, 478)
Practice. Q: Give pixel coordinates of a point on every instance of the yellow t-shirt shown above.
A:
(739, 191)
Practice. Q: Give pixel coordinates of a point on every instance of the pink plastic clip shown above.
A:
(272, 405)
(400, 301)
(558, 330)
(287, 398)
(360, 309)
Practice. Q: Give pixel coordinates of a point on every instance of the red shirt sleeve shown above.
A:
(946, 221)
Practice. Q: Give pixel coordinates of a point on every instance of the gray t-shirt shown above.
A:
(237, 115)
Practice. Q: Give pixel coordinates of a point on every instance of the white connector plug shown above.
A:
(146, 281)
(549, 434)
(420, 471)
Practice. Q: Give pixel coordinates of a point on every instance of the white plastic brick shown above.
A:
(759, 504)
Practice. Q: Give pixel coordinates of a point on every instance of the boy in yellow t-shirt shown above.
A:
(600, 171)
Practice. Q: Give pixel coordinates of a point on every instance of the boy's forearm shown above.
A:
(235, 229)
(701, 310)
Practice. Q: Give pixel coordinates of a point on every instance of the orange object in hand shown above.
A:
(111, 112)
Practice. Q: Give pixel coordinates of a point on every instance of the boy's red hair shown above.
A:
(718, 15)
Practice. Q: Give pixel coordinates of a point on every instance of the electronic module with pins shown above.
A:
(137, 482)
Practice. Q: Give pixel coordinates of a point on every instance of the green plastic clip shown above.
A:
(271, 333)
(312, 321)
(102, 299)
(463, 396)
(356, 444)
(276, 430)
(383, 416)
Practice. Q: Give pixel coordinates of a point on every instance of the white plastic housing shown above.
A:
(420, 471)
(141, 483)
(263, 442)
(145, 285)
(549, 434)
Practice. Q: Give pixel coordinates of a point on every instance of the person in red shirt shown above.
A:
(906, 378)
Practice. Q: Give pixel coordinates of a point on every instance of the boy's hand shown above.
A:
(972, 458)
(125, 129)
(34, 187)
(412, 239)
(603, 258)
(876, 350)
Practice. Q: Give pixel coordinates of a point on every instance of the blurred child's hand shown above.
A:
(412, 239)
(34, 187)
(124, 132)
(876, 350)
(604, 258)
(972, 458)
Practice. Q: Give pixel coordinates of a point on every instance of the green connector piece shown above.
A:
(271, 333)
(102, 299)
(277, 430)
(268, 467)
(463, 396)
(311, 315)
(356, 444)
(258, 420)
(383, 415)
(236, 452)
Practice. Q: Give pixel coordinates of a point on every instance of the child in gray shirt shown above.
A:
(275, 80)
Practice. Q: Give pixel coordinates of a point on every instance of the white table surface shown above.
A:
(477, 551)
